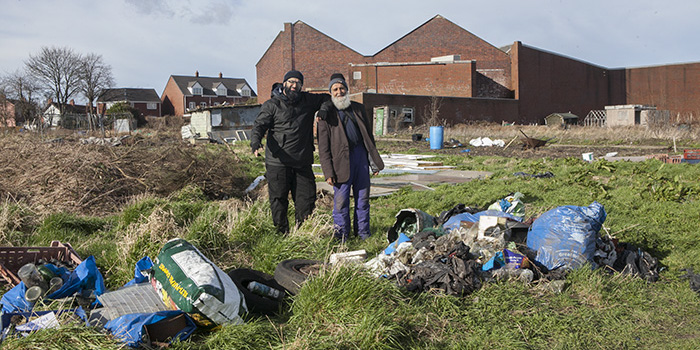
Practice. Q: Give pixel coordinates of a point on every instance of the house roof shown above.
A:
(69, 108)
(129, 94)
(209, 84)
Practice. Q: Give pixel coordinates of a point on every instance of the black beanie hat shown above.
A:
(337, 78)
(294, 74)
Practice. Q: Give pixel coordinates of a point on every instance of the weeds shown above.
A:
(649, 204)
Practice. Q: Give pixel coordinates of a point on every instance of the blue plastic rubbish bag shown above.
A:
(85, 277)
(141, 271)
(14, 300)
(565, 236)
(130, 328)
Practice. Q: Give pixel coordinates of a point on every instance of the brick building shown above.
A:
(184, 93)
(476, 80)
(146, 101)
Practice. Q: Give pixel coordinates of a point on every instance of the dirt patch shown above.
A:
(66, 175)
(516, 150)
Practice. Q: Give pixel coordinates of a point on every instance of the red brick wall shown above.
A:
(172, 99)
(143, 108)
(549, 83)
(317, 56)
(440, 37)
(313, 53)
(275, 62)
(672, 87)
(453, 110)
(453, 79)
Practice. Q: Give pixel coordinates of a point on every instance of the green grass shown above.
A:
(649, 204)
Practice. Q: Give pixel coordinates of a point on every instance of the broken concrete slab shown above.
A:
(386, 185)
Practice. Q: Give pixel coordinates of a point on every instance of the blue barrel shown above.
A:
(436, 137)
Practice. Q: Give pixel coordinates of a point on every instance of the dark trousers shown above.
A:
(301, 183)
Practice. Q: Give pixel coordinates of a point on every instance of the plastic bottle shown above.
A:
(264, 290)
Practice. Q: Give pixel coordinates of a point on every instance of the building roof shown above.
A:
(564, 115)
(69, 108)
(209, 84)
(129, 94)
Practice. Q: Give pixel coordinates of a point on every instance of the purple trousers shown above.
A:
(359, 183)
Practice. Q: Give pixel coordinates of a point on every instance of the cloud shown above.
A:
(206, 12)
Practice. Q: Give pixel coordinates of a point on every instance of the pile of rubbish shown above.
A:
(181, 290)
(168, 299)
(463, 248)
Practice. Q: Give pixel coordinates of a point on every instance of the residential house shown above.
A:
(183, 94)
(7, 112)
(73, 115)
(145, 101)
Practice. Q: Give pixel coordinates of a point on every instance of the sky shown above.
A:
(147, 41)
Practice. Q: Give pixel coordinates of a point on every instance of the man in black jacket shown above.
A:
(287, 119)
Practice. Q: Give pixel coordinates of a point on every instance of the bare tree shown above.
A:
(58, 71)
(23, 88)
(96, 76)
(432, 111)
(6, 110)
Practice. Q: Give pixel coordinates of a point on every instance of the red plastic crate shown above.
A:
(12, 258)
(662, 157)
(691, 154)
(675, 159)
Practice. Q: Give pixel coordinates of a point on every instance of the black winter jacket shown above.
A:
(289, 128)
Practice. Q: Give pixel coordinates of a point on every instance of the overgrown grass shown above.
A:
(649, 204)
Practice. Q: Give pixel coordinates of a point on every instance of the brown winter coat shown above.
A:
(333, 148)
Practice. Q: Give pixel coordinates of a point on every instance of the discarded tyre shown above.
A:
(256, 303)
(293, 272)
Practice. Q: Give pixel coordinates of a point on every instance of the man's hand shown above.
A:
(323, 111)
(375, 173)
(330, 181)
(257, 152)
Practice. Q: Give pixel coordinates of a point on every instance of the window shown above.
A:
(221, 90)
(203, 104)
(357, 75)
(192, 105)
(407, 115)
(152, 105)
(216, 117)
(196, 90)
(244, 91)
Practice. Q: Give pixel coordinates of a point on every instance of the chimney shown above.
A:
(221, 75)
(72, 102)
(196, 74)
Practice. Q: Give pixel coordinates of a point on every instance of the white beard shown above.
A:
(342, 102)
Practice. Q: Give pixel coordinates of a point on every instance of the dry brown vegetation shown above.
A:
(62, 174)
(571, 142)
